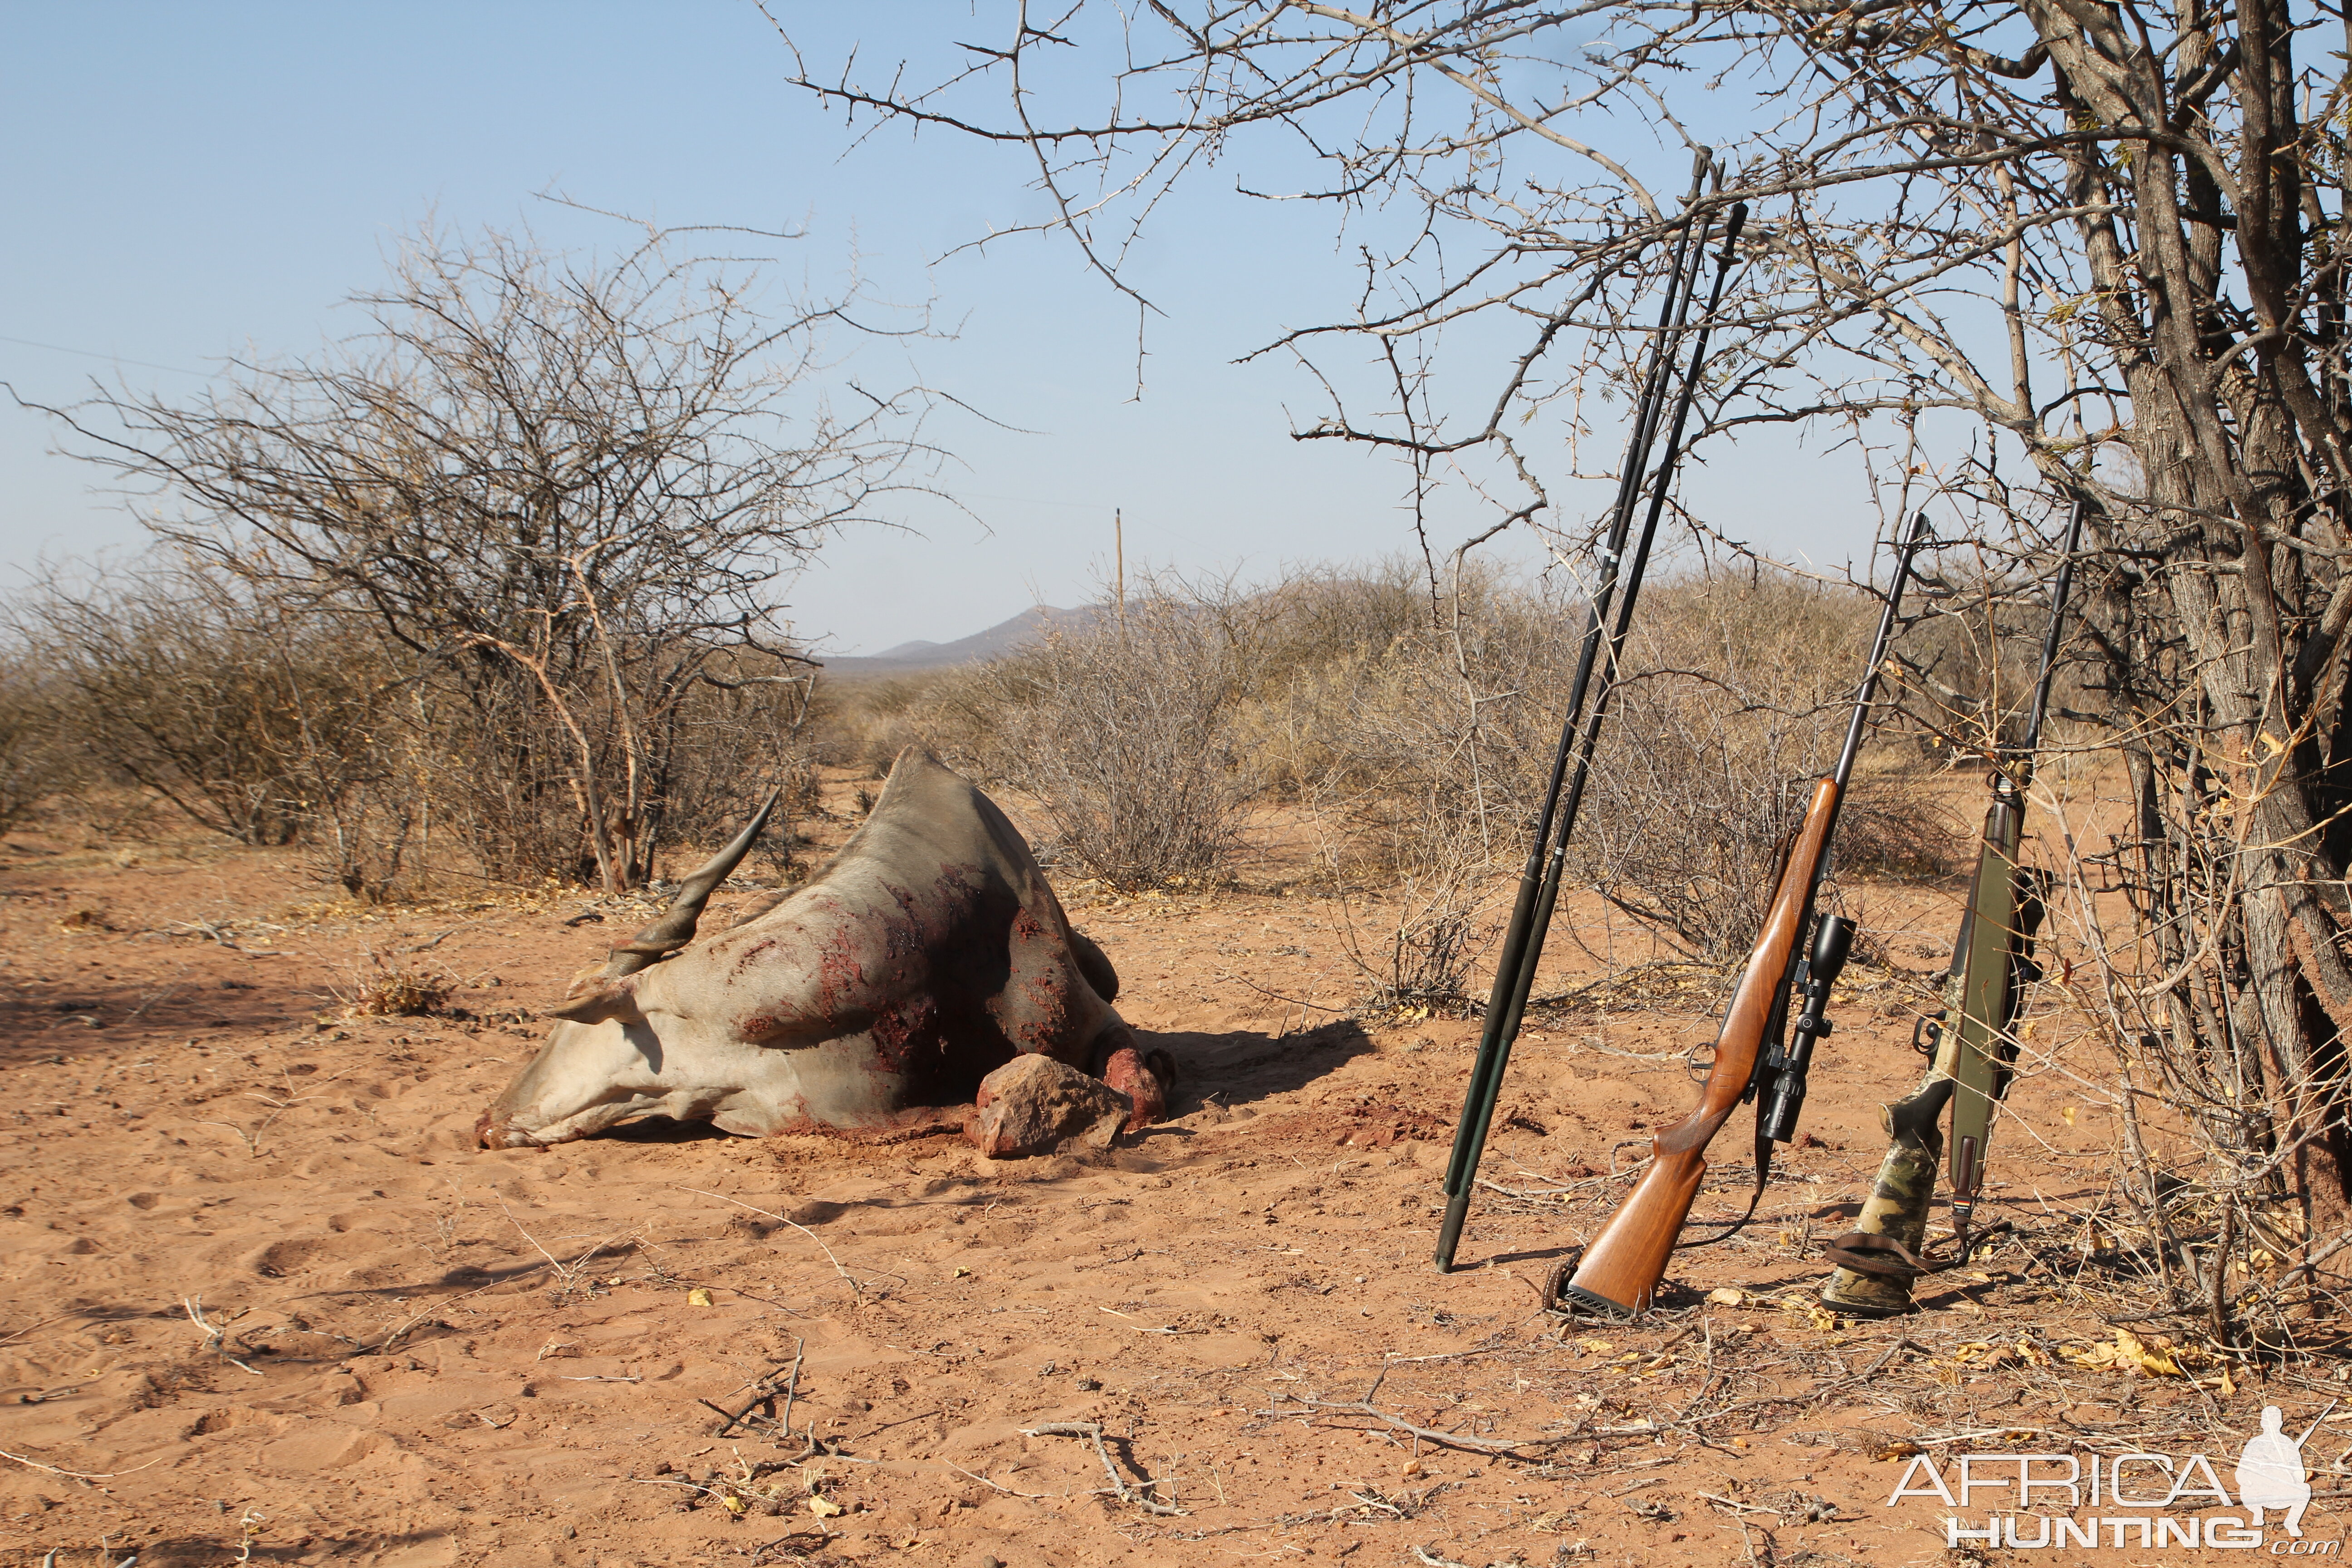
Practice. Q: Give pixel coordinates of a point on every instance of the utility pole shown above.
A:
(1118, 548)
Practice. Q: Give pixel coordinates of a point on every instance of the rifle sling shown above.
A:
(1763, 1173)
(1887, 1259)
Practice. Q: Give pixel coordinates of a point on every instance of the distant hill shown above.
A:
(913, 657)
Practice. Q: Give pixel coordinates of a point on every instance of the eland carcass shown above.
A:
(870, 1002)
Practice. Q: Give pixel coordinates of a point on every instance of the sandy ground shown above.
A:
(262, 1299)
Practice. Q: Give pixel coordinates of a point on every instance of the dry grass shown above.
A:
(389, 990)
(1125, 734)
(1416, 731)
(268, 722)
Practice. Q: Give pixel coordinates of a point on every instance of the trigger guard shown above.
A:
(1926, 1033)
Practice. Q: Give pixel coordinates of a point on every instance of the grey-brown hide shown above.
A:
(927, 953)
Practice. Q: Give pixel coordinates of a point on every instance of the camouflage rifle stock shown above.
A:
(1992, 964)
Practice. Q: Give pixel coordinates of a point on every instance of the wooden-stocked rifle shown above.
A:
(1619, 1273)
(1971, 1042)
(1596, 667)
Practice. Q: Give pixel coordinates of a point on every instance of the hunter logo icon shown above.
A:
(2269, 1473)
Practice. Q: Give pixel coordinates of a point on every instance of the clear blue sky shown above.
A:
(188, 182)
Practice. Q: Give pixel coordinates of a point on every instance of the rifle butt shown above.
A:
(1620, 1271)
(1897, 1209)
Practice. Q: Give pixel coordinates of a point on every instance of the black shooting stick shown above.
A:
(1538, 890)
(1485, 1074)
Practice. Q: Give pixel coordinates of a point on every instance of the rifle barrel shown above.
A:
(2050, 637)
(1878, 654)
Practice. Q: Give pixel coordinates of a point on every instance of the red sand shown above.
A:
(416, 1352)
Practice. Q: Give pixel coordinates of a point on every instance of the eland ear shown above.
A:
(595, 998)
